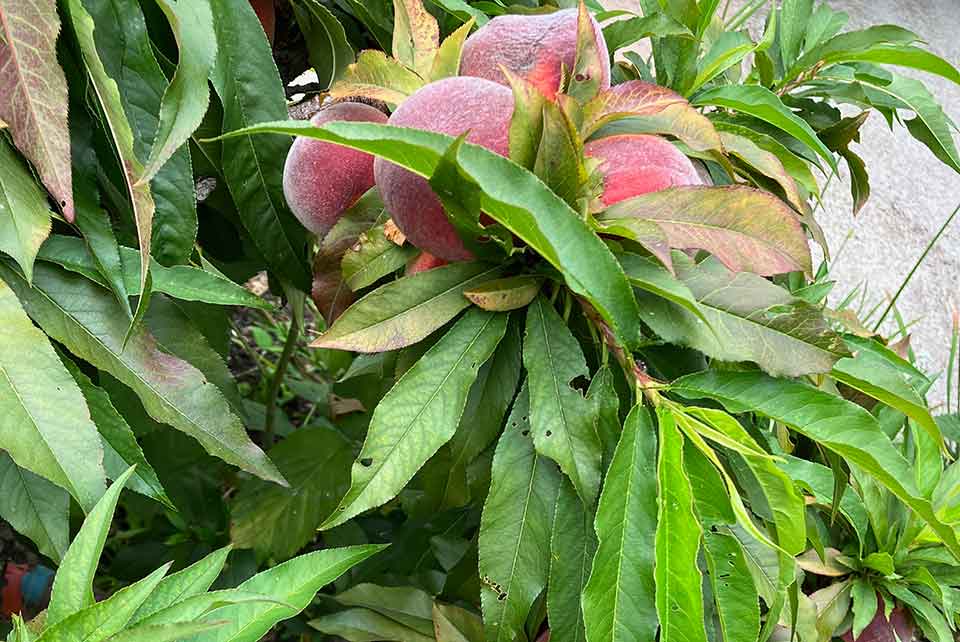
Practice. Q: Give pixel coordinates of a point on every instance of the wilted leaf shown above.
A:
(35, 508)
(620, 606)
(750, 319)
(33, 92)
(828, 567)
(503, 295)
(88, 321)
(651, 109)
(515, 528)
(24, 216)
(419, 414)
(374, 75)
(405, 311)
(45, 426)
(277, 521)
(561, 419)
(416, 36)
(745, 228)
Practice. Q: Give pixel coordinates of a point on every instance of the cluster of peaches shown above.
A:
(322, 180)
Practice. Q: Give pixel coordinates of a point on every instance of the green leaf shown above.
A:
(193, 580)
(795, 166)
(572, 546)
(619, 598)
(376, 76)
(364, 625)
(603, 393)
(120, 447)
(728, 50)
(373, 257)
(89, 322)
(33, 94)
(504, 295)
(864, 599)
(836, 424)
(111, 102)
(526, 123)
(407, 605)
(745, 228)
(646, 108)
(405, 311)
(416, 36)
(823, 45)
(447, 62)
(559, 163)
(623, 33)
(102, 620)
(511, 196)
(794, 22)
(293, 583)
(651, 277)
(765, 162)
(328, 47)
(73, 585)
(515, 528)
(561, 419)
(463, 11)
(35, 508)
(185, 100)
(419, 414)
(679, 593)
(199, 605)
(276, 521)
(183, 282)
(733, 589)
(248, 83)
(24, 216)
(769, 326)
(45, 426)
(164, 632)
(762, 103)
(591, 62)
(833, 604)
(483, 417)
(879, 373)
(454, 624)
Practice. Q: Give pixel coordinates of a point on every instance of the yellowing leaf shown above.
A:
(416, 36)
(374, 75)
(503, 295)
(651, 109)
(33, 93)
(764, 162)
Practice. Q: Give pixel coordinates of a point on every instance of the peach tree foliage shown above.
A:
(615, 421)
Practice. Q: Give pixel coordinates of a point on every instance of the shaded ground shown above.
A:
(912, 194)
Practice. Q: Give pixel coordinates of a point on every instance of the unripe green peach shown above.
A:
(534, 47)
(635, 164)
(322, 180)
(451, 106)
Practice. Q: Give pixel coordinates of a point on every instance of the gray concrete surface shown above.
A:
(912, 193)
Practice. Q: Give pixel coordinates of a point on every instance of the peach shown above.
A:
(322, 180)
(534, 47)
(423, 262)
(635, 164)
(450, 106)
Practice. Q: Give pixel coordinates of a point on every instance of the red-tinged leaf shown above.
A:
(33, 92)
(746, 229)
(647, 233)
(652, 109)
(108, 95)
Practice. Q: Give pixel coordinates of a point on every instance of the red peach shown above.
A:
(423, 262)
(534, 47)
(451, 106)
(635, 164)
(322, 180)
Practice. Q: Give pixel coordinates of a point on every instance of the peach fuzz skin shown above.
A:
(322, 180)
(635, 164)
(533, 47)
(451, 106)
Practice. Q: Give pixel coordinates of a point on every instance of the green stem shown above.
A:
(277, 381)
(916, 266)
